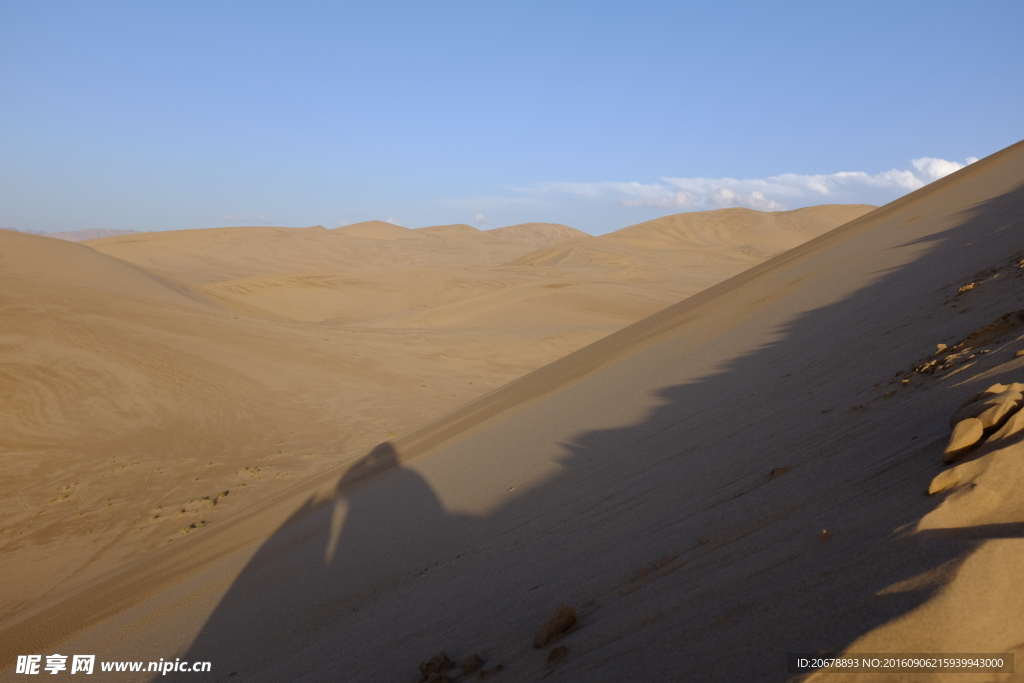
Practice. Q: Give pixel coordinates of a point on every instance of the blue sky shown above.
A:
(599, 115)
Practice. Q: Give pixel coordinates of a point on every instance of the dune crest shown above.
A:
(376, 230)
(538, 234)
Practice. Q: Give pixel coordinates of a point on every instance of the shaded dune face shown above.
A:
(742, 472)
(736, 473)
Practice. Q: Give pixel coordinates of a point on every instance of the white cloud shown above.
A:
(480, 218)
(938, 168)
(775, 193)
(393, 221)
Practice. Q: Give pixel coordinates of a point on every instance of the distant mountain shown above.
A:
(77, 235)
(89, 234)
(29, 232)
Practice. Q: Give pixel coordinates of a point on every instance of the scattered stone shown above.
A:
(1019, 354)
(966, 434)
(940, 348)
(471, 664)
(999, 328)
(1013, 426)
(906, 382)
(825, 535)
(966, 288)
(998, 413)
(991, 391)
(563, 619)
(947, 479)
(779, 471)
(557, 654)
(490, 673)
(988, 400)
(439, 663)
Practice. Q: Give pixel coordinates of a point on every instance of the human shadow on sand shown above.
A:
(764, 505)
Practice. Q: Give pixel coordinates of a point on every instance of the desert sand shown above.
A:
(156, 384)
(737, 476)
(146, 375)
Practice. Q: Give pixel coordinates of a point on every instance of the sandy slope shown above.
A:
(736, 477)
(145, 375)
(128, 399)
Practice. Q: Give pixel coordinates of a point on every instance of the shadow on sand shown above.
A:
(686, 557)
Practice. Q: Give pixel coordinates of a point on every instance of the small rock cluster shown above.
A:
(993, 413)
(434, 670)
(437, 668)
(946, 357)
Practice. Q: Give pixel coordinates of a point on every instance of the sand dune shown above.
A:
(146, 374)
(739, 476)
(690, 239)
(129, 399)
(382, 275)
(538, 234)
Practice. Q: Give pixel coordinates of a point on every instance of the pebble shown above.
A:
(437, 664)
(471, 663)
(557, 654)
(563, 619)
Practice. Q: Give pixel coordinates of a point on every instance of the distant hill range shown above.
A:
(79, 235)
(90, 234)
